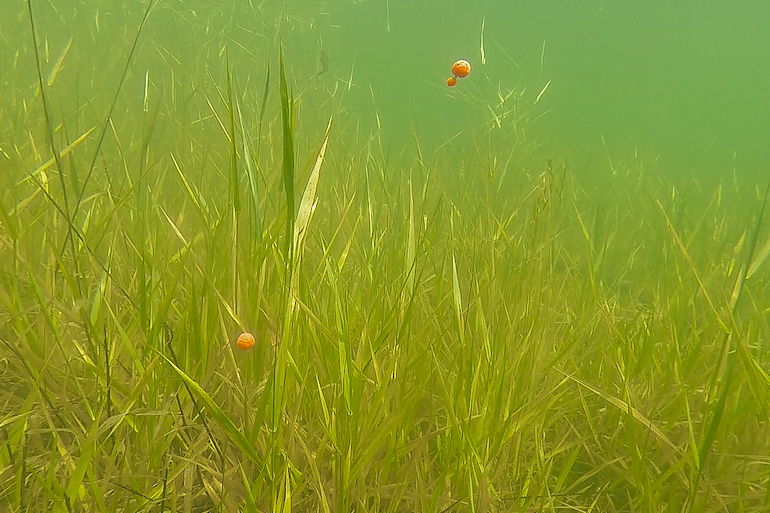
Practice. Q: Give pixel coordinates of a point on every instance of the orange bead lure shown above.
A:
(460, 69)
(246, 341)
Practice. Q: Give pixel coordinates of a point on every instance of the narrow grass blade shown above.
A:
(219, 416)
(74, 144)
(757, 263)
(750, 254)
(57, 66)
(265, 94)
(234, 189)
(287, 117)
(458, 301)
(624, 407)
(724, 373)
(303, 220)
(410, 245)
(250, 172)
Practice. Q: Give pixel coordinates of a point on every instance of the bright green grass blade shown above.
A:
(756, 377)
(303, 220)
(345, 252)
(567, 467)
(5, 218)
(724, 380)
(75, 489)
(251, 506)
(757, 263)
(220, 417)
(692, 443)
(315, 476)
(286, 492)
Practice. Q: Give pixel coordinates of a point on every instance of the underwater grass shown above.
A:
(503, 338)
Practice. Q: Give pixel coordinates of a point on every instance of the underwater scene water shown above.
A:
(384, 255)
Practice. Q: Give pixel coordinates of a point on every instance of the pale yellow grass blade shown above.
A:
(624, 406)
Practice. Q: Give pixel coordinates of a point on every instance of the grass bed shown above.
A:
(487, 332)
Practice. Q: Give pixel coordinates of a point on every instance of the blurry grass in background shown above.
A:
(470, 329)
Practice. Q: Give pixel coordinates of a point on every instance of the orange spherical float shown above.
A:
(451, 81)
(246, 341)
(461, 68)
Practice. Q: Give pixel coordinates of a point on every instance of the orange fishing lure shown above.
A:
(460, 69)
(246, 341)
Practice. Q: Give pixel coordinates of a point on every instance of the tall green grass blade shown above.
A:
(263, 103)
(286, 507)
(252, 176)
(483, 327)
(287, 117)
(306, 209)
(76, 489)
(234, 186)
(761, 258)
(408, 345)
(52, 142)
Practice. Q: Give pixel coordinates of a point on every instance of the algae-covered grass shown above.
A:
(475, 328)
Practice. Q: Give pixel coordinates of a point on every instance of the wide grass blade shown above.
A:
(307, 204)
(306, 209)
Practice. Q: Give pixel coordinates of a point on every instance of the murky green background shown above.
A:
(687, 82)
(679, 86)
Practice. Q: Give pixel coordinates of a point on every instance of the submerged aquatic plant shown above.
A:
(498, 338)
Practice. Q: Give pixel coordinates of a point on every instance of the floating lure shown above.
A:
(460, 69)
(246, 341)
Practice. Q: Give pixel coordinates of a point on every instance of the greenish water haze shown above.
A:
(682, 80)
(544, 289)
(681, 84)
